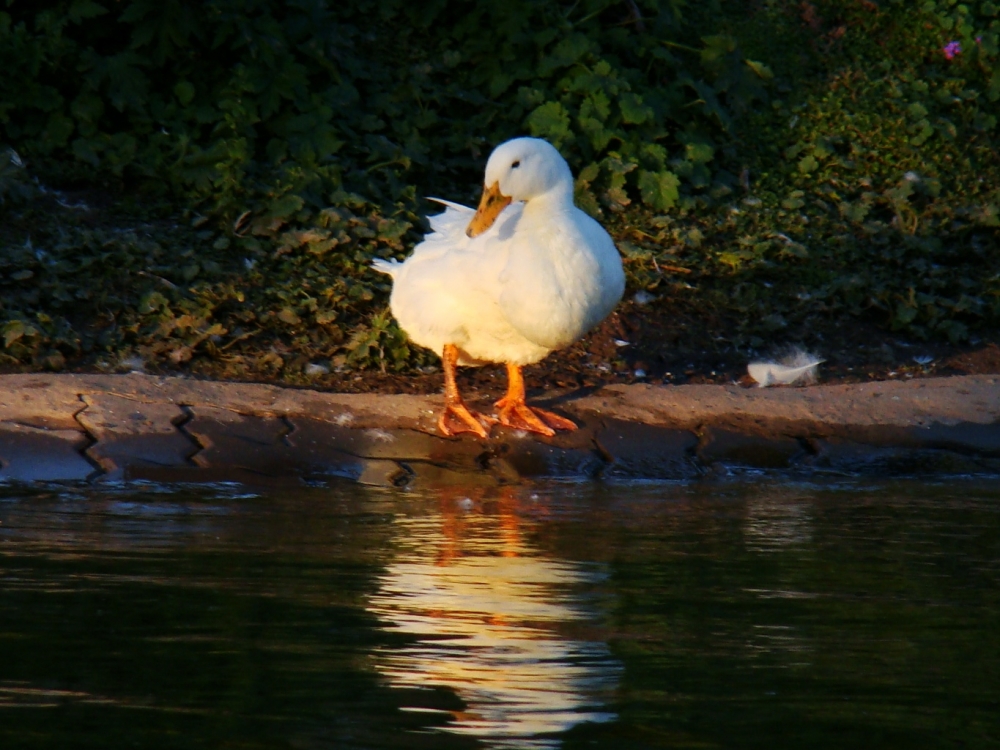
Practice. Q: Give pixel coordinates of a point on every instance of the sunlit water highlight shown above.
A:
(490, 613)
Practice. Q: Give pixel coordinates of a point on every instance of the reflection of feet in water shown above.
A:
(487, 609)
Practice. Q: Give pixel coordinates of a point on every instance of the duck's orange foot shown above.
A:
(458, 418)
(517, 415)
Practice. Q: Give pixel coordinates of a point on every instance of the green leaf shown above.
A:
(588, 174)
(152, 302)
(793, 201)
(905, 314)
(285, 206)
(792, 151)
(58, 129)
(807, 164)
(14, 330)
(634, 112)
(551, 121)
(567, 52)
(716, 47)
(989, 216)
(184, 91)
(87, 109)
(287, 315)
(855, 212)
(733, 260)
(83, 9)
(955, 330)
(599, 136)
(760, 69)
(599, 103)
(659, 189)
(699, 153)
(926, 131)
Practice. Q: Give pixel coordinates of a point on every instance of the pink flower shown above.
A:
(951, 49)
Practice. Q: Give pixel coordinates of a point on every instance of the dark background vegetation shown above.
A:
(202, 184)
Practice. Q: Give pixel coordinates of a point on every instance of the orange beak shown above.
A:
(490, 206)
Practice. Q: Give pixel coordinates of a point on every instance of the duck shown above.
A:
(524, 274)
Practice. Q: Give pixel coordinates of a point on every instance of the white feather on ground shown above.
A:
(798, 367)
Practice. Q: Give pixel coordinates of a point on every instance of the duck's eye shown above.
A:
(516, 164)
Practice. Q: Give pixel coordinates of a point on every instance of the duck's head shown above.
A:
(520, 170)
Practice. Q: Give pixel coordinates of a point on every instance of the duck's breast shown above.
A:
(562, 277)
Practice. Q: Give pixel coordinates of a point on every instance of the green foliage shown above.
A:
(302, 131)
(792, 162)
(237, 103)
(889, 161)
(869, 184)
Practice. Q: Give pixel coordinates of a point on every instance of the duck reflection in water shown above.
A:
(489, 613)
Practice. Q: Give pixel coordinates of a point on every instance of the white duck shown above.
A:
(526, 273)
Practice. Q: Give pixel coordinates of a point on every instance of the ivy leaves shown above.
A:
(221, 101)
(659, 189)
(298, 137)
(550, 121)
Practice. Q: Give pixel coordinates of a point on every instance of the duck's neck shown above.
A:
(556, 200)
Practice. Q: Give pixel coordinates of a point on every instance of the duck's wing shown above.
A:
(448, 243)
(452, 223)
(447, 232)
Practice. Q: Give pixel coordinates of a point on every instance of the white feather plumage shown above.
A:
(537, 280)
(798, 366)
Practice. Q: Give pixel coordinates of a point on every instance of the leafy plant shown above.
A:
(777, 165)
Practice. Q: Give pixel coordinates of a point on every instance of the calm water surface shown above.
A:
(729, 615)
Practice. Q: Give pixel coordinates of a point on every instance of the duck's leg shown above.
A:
(515, 412)
(454, 408)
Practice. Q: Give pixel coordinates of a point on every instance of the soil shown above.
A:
(649, 344)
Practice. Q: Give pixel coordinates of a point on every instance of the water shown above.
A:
(725, 615)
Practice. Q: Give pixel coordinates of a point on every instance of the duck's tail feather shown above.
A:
(451, 224)
(387, 266)
(457, 206)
